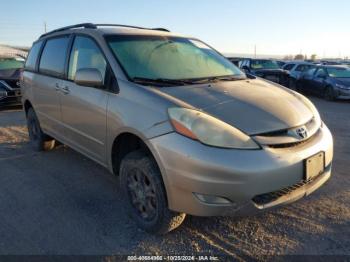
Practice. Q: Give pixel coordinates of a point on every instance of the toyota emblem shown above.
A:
(302, 132)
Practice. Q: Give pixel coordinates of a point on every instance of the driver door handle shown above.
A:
(57, 87)
(65, 90)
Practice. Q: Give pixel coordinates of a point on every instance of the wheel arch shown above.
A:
(127, 142)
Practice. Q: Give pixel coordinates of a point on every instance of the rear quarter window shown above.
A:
(54, 55)
(33, 56)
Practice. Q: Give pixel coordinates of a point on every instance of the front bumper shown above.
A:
(343, 93)
(239, 176)
(13, 97)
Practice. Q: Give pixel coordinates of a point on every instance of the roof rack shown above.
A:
(94, 26)
(83, 25)
(136, 27)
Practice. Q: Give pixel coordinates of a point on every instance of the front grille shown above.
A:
(12, 83)
(295, 144)
(287, 145)
(267, 198)
(287, 138)
(282, 132)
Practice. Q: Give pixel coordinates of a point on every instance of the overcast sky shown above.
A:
(276, 27)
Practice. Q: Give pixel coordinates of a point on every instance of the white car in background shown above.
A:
(295, 70)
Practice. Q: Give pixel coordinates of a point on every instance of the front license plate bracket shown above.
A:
(314, 165)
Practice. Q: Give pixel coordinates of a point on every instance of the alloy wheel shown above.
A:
(329, 94)
(142, 194)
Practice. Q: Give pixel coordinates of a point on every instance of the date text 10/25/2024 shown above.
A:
(173, 258)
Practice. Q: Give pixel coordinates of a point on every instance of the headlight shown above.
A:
(208, 130)
(342, 86)
(3, 93)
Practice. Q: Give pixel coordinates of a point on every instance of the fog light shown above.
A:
(208, 199)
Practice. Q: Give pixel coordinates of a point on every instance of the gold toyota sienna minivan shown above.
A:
(185, 130)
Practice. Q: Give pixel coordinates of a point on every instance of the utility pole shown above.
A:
(45, 27)
(254, 51)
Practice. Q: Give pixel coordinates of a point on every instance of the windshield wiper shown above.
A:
(216, 79)
(182, 82)
(160, 81)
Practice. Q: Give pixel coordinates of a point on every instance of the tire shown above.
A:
(298, 86)
(329, 93)
(144, 194)
(38, 140)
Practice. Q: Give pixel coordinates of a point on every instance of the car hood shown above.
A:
(253, 106)
(10, 74)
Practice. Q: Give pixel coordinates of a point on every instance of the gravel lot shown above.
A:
(60, 202)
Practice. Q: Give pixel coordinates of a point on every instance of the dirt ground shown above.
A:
(60, 202)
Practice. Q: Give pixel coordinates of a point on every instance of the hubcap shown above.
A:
(142, 194)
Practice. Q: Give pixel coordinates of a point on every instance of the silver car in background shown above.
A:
(186, 131)
(295, 70)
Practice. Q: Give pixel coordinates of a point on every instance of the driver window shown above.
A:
(321, 73)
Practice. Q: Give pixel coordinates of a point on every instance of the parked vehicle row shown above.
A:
(264, 68)
(331, 82)
(329, 79)
(295, 71)
(10, 70)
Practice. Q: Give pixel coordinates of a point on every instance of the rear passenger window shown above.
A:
(53, 57)
(33, 56)
(303, 68)
(288, 67)
(86, 54)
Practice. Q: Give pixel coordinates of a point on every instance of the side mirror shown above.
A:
(88, 77)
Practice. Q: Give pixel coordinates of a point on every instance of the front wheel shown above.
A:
(145, 196)
(38, 140)
(329, 93)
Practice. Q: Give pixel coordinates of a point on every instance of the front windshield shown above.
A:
(10, 63)
(166, 57)
(339, 72)
(264, 64)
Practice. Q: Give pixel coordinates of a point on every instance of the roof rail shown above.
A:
(83, 25)
(160, 29)
(94, 26)
(136, 27)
